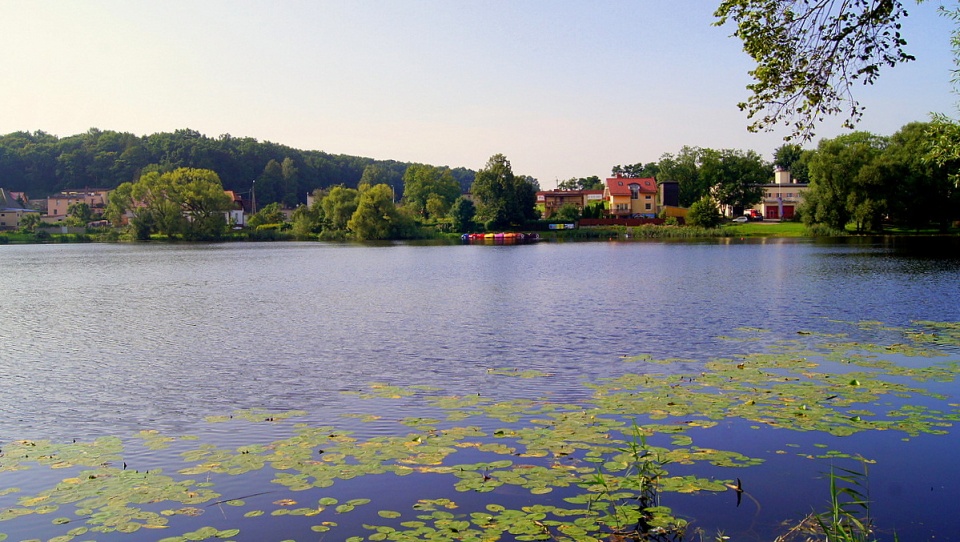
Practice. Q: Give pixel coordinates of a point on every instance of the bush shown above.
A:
(823, 230)
(704, 213)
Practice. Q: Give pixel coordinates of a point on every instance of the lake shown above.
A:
(183, 352)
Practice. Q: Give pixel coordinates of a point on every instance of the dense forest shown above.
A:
(41, 164)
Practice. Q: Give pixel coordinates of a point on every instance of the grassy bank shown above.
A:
(759, 229)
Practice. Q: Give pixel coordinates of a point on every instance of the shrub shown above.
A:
(823, 230)
(704, 213)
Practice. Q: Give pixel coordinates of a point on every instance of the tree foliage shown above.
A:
(377, 217)
(731, 176)
(735, 177)
(185, 202)
(29, 222)
(793, 158)
(41, 164)
(842, 187)
(79, 214)
(869, 180)
(567, 212)
(307, 221)
(704, 213)
(429, 191)
(503, 199)
(338, 206)
(271, 213)
(583, 183)
(462, 214)
(637, 171)
(810, 54)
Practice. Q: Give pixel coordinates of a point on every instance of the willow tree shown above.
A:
(184, 202)
(377, 217)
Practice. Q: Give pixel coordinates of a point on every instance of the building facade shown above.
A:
(782, 197)
(553, 200)
(631, 197)
(59, 204)
(12, 210)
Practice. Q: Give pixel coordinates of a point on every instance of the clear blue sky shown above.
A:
(562, 88)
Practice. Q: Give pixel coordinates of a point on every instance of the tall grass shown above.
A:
(847, 518)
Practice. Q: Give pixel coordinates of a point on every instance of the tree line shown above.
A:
(431, 201)
(42, 164)
(859, 179)
(862, 179)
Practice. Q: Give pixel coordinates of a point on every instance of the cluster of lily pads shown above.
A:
(585, 471)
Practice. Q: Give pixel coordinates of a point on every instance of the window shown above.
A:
(648, 206)
(634, 191)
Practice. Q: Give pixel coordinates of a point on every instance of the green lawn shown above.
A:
(767, 229)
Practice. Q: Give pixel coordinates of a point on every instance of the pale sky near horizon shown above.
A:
(562, 88)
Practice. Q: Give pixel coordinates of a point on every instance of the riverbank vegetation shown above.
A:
(859, 183)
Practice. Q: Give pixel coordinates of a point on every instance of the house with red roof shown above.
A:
(631, 197)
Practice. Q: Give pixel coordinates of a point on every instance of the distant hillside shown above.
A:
(41, 164)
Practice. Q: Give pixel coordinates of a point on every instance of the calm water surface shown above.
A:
(112, 339)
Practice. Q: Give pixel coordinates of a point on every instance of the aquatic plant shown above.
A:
(527, 469)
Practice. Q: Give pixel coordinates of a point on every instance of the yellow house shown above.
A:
(631, 197)
(96, 198)
(11, 211)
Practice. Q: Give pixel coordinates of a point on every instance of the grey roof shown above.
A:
(8, 203)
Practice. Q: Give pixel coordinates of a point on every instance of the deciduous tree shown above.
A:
(503, 199)
(377, 217)
(810, 54)
(79, 214)
(736, 177)
(338, 206)
(462, 213)
(704, 213)
(271, 213)
(840, 189)
(186, 201)
(421, 183)
(923, 188)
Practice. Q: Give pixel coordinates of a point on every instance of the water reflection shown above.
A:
(104, 337)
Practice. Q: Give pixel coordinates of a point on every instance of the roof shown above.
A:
(620, 186)
(10, 203)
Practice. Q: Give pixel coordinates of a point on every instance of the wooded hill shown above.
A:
(41, 164)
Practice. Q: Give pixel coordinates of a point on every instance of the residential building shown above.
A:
(631, 197)
(235, 216)
(553, 200)
(12, 210)
(59, 204)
